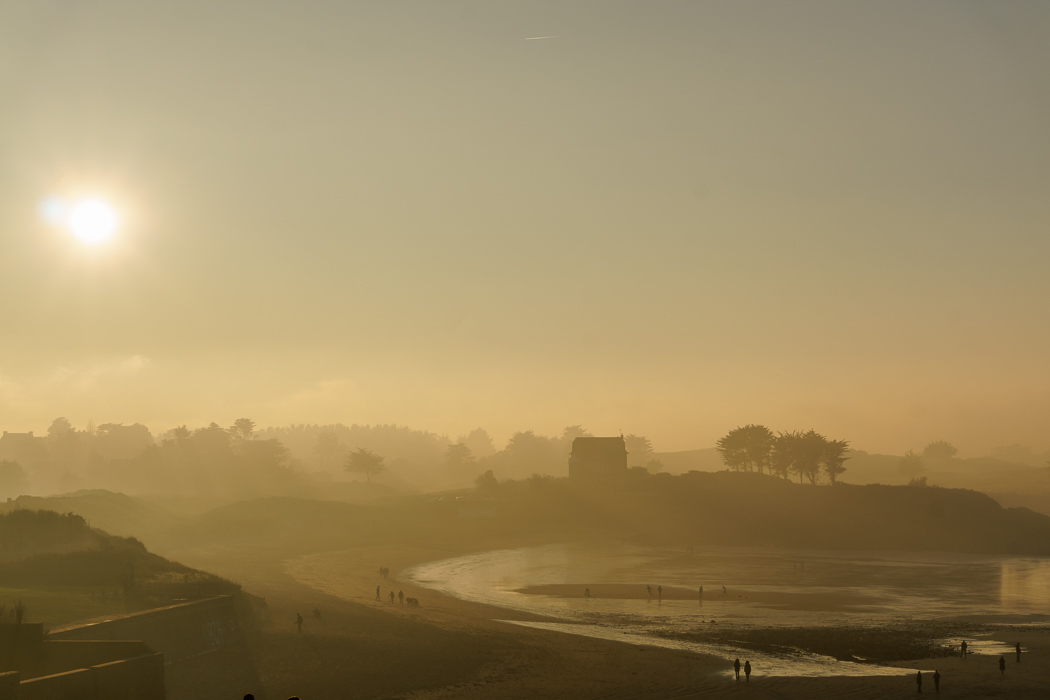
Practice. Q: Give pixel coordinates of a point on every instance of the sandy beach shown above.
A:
(450, 648)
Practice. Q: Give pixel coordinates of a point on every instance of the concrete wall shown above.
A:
(138, 678)
(178, 631)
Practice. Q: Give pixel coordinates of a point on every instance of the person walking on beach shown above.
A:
(649, 590)
(937, 681)
(586, 592)
(747, 671)
(736, 669)
(963, 647)
(918, 680)
(724, 592)
(660, 592)
(299, 622)
(377, 595)
(701, 594)
(401, 597)
(1018, 648)
(1002, 666)
(391, 596)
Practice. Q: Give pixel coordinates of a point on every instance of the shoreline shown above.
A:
(526, 661)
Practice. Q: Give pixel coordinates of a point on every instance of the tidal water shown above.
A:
(765, 588)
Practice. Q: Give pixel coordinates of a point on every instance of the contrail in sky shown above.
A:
(534, 38)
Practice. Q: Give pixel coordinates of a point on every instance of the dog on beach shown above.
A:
(412, 602)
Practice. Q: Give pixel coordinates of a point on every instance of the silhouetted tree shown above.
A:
(59, 428)
(918, 481)
(833, 458)
(480, 443)
(747, 449)
(178, 435)
(364, 462)
(242, 429)
(117, 441)
(570, 433)
(528, 453)
(939, 450)
(459, 457)
(487, 483)
(639, 449)
(801, 453)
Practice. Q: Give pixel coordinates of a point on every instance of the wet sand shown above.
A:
(831, 602)
(449, 648)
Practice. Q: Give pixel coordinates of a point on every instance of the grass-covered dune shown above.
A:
(62, 570)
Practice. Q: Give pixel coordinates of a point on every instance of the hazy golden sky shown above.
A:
(671, 218)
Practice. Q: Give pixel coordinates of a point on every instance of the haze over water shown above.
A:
(799, 588)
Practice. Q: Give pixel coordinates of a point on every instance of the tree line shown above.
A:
(807, 454)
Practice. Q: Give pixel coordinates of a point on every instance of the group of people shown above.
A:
(660, 592)
(964, 650)
(400, 595)
(747, 671)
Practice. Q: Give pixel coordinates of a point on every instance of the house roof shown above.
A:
(598, 446)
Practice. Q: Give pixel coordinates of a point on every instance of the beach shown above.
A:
(496, 652)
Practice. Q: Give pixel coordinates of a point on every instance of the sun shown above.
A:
(92, 220)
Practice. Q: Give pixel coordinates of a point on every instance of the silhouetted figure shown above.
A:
(391, 596)
(963, 648)
(299, 622)
(918, 680)
(937, 681)
(736, 669)
(660, 592)
(724, 592)
(317, 614)
(1017, 647)
(377, 595)
(649, 590)
(701, 593)
(401, 597)
(586, 592)
(1002, 666)
(747, 671)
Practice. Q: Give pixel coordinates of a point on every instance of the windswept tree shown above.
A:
(802, 453)
(747, 449)
(834, 457)
(364, 462)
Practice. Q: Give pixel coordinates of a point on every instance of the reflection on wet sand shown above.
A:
(764, 589)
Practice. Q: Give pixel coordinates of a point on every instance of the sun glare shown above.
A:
(92, 221)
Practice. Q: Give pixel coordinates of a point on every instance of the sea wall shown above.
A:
(178, 631)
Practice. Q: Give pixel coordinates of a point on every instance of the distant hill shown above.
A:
(758, 509)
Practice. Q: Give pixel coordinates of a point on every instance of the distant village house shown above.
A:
(598, 458)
